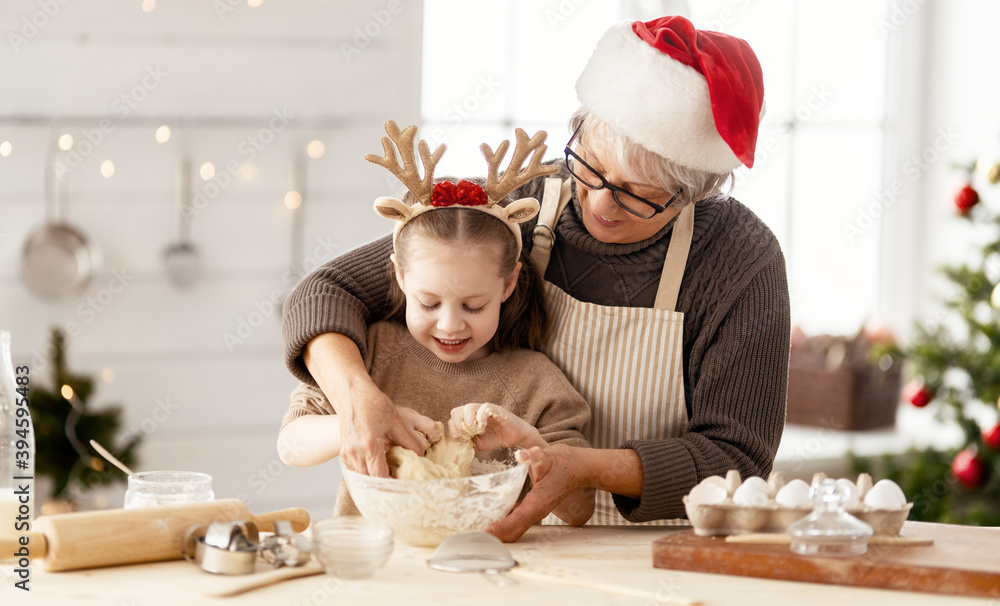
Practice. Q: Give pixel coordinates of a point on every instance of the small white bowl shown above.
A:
(351, 547)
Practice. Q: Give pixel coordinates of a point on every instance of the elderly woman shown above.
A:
(668, 299)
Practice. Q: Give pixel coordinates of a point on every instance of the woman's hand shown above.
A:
(491, 427)
(556, 471)
(374, 424)
(559, 470)
(370, 422)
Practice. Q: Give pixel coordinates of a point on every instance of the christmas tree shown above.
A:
(65, 424)
(956, 365)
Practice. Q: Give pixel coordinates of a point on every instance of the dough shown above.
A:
(446, 458)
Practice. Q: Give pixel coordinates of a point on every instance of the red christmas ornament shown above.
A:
(965, 199)
(991, 437)
(969, 469)
(918, 394)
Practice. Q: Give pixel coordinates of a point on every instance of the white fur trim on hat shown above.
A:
(658, 102)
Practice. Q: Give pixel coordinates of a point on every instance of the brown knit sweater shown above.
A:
(734, 296)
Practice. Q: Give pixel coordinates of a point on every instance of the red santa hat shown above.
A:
(694, 97)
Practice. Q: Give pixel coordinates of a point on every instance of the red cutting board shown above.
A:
(964, 560)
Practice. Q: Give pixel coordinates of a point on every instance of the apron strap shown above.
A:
(555, 196)
(676, 260)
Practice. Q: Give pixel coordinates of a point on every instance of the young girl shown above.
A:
(472, 309)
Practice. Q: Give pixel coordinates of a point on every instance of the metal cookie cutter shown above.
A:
(284, 547)
(228, 548)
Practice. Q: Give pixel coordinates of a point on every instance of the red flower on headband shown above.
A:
(466, 193)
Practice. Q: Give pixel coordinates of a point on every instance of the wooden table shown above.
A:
(559, 565)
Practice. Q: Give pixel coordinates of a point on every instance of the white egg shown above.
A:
(855, 498)
(717, 480)
(885, 494)
(751, 493)
(707, 494)
(794, 495)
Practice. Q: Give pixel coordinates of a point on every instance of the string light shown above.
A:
(207, 171)
(5, 149)
(163, 134)
(66, 142)
(293, 200)
(248, 172)
(107, 169)
(108, 375)
(148, 5)
(67, 392)
(254, 3)
(315, 149)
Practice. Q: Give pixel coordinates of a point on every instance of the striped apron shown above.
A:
(625, 361)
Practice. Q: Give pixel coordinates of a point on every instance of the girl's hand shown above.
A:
(492, 427)
(418, 424)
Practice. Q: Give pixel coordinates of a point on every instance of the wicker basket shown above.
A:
(850, 397)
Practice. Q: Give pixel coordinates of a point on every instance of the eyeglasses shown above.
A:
(589, 177)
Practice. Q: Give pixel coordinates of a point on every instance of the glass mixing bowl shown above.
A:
(426, 512)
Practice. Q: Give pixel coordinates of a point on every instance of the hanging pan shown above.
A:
(56, 260)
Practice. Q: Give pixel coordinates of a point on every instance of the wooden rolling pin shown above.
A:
(92, 539)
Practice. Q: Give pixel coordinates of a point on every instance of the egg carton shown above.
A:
(727, 518)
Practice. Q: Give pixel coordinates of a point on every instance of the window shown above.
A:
(489, 67)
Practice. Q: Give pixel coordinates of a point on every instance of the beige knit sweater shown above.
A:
(525, 382)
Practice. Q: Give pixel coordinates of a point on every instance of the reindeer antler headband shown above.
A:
(466, 194)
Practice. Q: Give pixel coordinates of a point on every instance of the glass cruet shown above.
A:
(829, 530)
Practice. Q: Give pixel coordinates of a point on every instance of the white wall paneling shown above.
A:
(245, 89)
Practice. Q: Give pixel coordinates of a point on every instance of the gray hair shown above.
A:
(644, 166)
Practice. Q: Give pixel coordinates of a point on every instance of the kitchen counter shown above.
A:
(559, 565)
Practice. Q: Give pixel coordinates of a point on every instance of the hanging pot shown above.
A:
(56, 259)
(181, 257)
